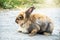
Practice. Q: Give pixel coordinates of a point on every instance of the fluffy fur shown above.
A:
(34, 23)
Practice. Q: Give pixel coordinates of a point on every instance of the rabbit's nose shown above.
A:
(16, 21)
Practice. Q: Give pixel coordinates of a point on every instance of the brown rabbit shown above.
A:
(34, 23)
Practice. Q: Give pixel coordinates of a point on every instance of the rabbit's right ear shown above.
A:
(29, 11)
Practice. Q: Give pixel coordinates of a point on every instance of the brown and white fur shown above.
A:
(34, 23)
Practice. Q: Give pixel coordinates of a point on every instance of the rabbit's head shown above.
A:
(22, 18)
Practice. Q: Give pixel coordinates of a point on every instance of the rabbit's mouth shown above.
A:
(21, 24)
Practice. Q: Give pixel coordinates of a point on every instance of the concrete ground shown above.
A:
(8, 27)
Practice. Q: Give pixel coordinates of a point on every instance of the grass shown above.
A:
(8, 4)
(15, 3)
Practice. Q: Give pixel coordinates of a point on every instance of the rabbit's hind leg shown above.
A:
(46, 33)
(49, 29)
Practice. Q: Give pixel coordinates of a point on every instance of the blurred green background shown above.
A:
(8, 4)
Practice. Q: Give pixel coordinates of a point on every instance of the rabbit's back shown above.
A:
(40, 17)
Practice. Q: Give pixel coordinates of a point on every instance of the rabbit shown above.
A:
(34, 23)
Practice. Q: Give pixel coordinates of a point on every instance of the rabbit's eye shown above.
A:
(21, 17)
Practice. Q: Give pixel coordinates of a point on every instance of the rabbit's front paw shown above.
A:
(33, 32)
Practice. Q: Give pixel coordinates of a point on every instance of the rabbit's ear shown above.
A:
(29, 11)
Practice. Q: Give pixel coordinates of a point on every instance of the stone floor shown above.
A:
(8, 27)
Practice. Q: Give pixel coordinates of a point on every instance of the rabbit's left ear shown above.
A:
(29, 11)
